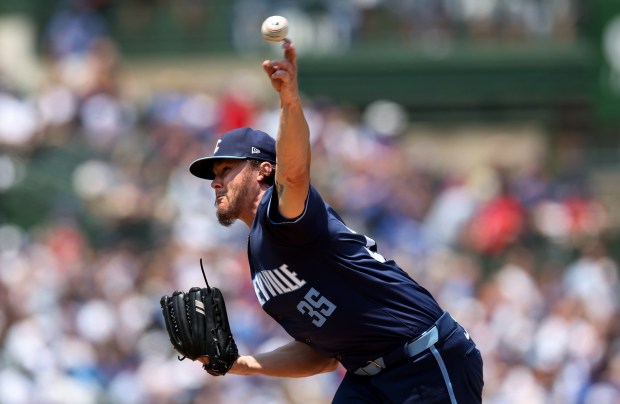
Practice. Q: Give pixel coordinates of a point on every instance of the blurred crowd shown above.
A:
(329, 25)
(99, 217)
(322, 25)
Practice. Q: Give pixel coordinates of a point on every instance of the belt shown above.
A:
(427, 339)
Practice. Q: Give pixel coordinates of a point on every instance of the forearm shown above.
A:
(292, 360)
(292, 176)
(293, 142)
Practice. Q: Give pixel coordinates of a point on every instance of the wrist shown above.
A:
(291, 102)
(244, 365)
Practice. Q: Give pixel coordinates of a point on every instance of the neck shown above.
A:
(248, 216)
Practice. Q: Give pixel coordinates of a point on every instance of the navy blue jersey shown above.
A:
(329, 287)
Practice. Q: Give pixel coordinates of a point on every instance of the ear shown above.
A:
(265, 169)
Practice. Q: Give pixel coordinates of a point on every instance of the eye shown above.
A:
(222, 170)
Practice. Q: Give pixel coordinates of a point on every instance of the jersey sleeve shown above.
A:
(312, 223)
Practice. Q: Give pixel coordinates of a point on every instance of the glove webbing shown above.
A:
(189, 321)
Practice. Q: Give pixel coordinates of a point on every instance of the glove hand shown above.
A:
(198, 328)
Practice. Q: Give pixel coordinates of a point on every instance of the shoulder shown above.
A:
(312, 222)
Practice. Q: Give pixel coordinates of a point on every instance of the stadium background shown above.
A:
(477, 141)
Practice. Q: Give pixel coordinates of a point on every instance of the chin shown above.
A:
(225, 218)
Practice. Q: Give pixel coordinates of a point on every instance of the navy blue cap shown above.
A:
(240, 144)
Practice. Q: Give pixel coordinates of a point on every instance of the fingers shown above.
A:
(272, 66)
(270, 70)
(280, 72)
(288, 63)
(268, 67)
(283, 73)
(282, 76)
(290, 53)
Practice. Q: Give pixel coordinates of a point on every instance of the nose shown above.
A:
(216, 183)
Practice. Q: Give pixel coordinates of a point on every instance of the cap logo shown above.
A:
(255, 150)
(217, 146)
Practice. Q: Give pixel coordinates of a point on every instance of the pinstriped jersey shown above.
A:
(329, 286)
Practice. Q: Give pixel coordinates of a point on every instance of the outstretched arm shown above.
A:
(294, 359)
(292, 179)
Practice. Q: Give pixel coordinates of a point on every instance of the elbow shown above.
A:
(294, 171)
(325, 365)
(330, 365)
(296, 178)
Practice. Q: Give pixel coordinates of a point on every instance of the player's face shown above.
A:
(232, 185)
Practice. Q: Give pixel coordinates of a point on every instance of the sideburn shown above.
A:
(231, 214)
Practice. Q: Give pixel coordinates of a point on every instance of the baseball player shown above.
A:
(325, 284)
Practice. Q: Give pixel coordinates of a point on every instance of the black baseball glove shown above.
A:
(198, 327)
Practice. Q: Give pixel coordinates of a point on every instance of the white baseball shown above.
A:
(274, 28)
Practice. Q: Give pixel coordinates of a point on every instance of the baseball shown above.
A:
(274, 28)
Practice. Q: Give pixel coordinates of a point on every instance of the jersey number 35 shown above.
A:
(316, 306)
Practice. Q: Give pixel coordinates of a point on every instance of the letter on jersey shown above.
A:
(273, 282)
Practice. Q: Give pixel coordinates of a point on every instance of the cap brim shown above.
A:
(203, 167)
